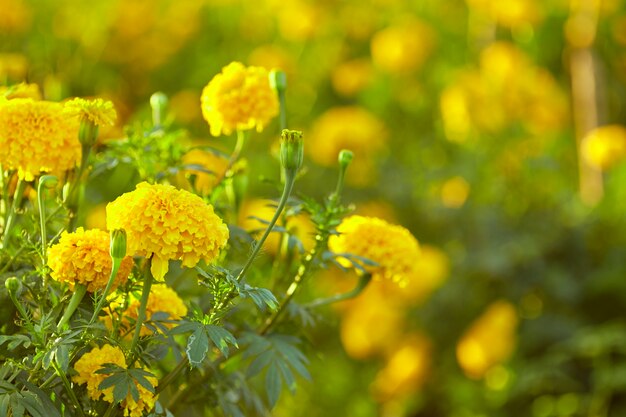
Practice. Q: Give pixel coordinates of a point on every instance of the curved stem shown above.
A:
(360, 286)
(79, 293)
(68, 388)
(72, 199)
(17, 201)
(141, 314)
(116, 266)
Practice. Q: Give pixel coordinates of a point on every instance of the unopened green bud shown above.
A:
(278, 80)
(345, 158)
(291, 150)
(118, 244)
(158, 102)
(12, 284)
(87, 133)
(48, 181)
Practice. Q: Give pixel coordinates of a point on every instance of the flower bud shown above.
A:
(48, 181)
(345, 158)
(291, 149)
(87, 133)
(278, 80)
(158, 102)
(12, 284)
(118, 244)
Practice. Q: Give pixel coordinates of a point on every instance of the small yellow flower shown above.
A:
(605, 146)
(454, 192)
(209, 161)
(35, 137)
(92, 361)
(161, 299)
(98, 111)
(489, 341)
(239, 98)
(82, 257)
(165, 223)
(392, 247)
(402, 48)
(22, 90)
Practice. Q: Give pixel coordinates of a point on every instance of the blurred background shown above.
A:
(490, 128)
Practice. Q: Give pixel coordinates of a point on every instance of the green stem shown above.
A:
(141, 315)
(167, 379)
(283, 110)
(42, 221)
(68, 388)
(116, 266)
(364, 279)
(73, 195)
(17, 201)
(79, 293)
(111, 410)
(290, 179)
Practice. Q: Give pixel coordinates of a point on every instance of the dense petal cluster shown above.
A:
(392, 247)
(161, 299)
(165, 223)
(353, 128)
(239, 98)
(82, 257)
(93, 361)
(36, 136)
(99, 112)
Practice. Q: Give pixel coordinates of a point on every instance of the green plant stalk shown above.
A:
(116, 266)
(42, 222)
(17, 201)
(141, 314)
(68, 388)
(72, 200)
(111, 410)
(364, 279)
(4, 186)
(79, 293)
(283, 110)
(23, 313)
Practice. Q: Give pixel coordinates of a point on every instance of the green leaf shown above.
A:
(33, 405)
(259, 363)
(4, 404)
(112, 380)
(62, 357)
(221, 338)
(121, 389)
(273, 384)
(197, 346)
(17, 409)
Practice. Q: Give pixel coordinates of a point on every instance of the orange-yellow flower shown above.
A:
(82, 257)
(209, 161)
(605, 146)
(22, 90)
(239, 98)
(35, 137)
(392, 247)
(98, 111)
(165, 223)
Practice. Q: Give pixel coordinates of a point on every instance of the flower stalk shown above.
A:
(364, 280)
(79, 292)
(141, 314)
(17, 201)
(45, 182)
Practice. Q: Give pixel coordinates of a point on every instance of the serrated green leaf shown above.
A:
(273, 384)
(33, 405)
(62, 357)
(114, 379)
(287, 375)
(17, 409)
(4, 404)
(197, 346)
(142, 380)
(184, 328)
(221, 338)
(121, 390)
(134, 392)
(259, 363)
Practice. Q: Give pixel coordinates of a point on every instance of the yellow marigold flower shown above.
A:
(161, 299)
(209, 161)
(239, 98)
(402, 48)
(165, 223)
(16, 16)
(605, 146)
(98, 111)
(392, 247)
(35, 137)
(489, 341)
(350, 77)
(92, 361)
(22, 90)
(82, 257)
(454, 192)
(352, 128)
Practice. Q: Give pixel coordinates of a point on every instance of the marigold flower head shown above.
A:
(82, 257)
(165, 223)
(392, 247)
(21, 90)
(209, 161)
(35, 137)
(239, 98)
(161, 299)
(605, 146)
(92, 361)
(98, 111)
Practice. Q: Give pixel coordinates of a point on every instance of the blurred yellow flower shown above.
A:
(35, 137)
(454, 192)
(82, 257)
(299, 226)
(96, 217)
(604, 146)
(93, 361)
(489, 341)
(161, 299)
(22, 90)
(15, 17)
(350, 77)
(406, 369)
(298, 20)
(13, 66)
(352, 128)
(432, 268)
(239, 98)
(402, 48)
(184, 106)
(98, 111)
(209, 161)
(508, 13)
(392, 247)
(165, 223)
